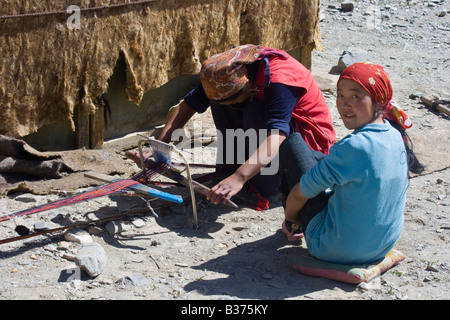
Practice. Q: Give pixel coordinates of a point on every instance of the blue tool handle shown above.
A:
(164, 195)
(156, 193)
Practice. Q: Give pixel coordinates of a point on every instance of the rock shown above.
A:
(22, 230)
(180, 264)
(138, 223)
(64, 245)
(350, 56)
(135, 279)
(431, 268)
(347, 6)
(91, 258)
(114, 227)
(43, 225)
(364, 286)
(25, 198)
(50, 248)
(95, 230)
(78, 235)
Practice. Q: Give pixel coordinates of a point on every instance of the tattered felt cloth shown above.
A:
(49, 68)
(345, 273)
(54, 168)
(24, 169)
(23, 159)
(16, 148)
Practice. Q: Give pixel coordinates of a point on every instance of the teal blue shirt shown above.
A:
(364, 217)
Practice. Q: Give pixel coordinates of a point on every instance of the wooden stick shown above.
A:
(76, 225)
(438, 107)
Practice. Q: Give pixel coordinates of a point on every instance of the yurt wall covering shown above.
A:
(57, 62)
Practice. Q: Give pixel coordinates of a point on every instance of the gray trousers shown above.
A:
(296, 158)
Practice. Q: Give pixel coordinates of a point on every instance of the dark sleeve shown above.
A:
(197, 99)
(280, 100)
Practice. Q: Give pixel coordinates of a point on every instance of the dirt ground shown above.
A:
(241, 253)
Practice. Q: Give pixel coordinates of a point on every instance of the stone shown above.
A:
(25, 198)
(91, 258)
(43, 225)
(350, 56)
(78, 235)
(138, 223)
(95, 230)
(134, 279)
(347, 6)
(114, 227)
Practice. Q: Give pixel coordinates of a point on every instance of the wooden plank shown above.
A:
(82, 127)
(96, 128)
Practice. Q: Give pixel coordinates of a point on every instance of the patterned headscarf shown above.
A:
(224, 74)
(377, 83)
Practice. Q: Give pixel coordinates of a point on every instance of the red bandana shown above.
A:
(377, 83)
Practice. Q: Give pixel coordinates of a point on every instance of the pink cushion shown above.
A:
(345, 273)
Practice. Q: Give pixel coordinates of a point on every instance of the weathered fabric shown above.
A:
(47, 68)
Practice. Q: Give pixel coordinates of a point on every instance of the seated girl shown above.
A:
(361, 218)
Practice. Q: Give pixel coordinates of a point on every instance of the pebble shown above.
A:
(51, 248)
(364, 286)
(25, 198)
(78, 235)
(95, 230)
(134, 279)
(43, 225)
(91, 258)
(432, 268)
(114, 227)
(180, 264)
(64, 245)
(347, 6)
(138, 223)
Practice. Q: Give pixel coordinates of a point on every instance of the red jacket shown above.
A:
(311, 113)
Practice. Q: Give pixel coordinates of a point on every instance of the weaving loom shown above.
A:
(112, 187)
(162, 153)
(136, 183)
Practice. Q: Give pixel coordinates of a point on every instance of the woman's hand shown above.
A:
(226, 189)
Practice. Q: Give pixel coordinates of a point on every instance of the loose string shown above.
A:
(149, 173)
(98, 8)
(97, 192)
